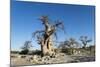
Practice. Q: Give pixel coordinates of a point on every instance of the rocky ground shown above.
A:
(59, 58)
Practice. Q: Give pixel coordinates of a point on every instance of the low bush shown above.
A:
(24, 52)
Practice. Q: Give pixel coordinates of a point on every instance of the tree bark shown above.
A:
(47, 48)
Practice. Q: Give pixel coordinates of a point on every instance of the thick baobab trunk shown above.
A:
(50, 45)
(46, 51)
(47, 48)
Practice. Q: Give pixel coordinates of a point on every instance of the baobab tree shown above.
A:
(44, 37)
(73, 43)
(84, 40)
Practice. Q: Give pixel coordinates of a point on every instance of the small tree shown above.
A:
(26, 47)
(84, 40)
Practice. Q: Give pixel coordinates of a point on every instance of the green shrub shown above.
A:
(68, 51)
(24, 51)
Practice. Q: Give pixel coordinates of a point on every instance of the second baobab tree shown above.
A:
(85, 40)
(44, 37)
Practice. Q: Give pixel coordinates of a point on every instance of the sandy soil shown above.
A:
(57, 60)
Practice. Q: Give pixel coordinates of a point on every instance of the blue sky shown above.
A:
(78, 20)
